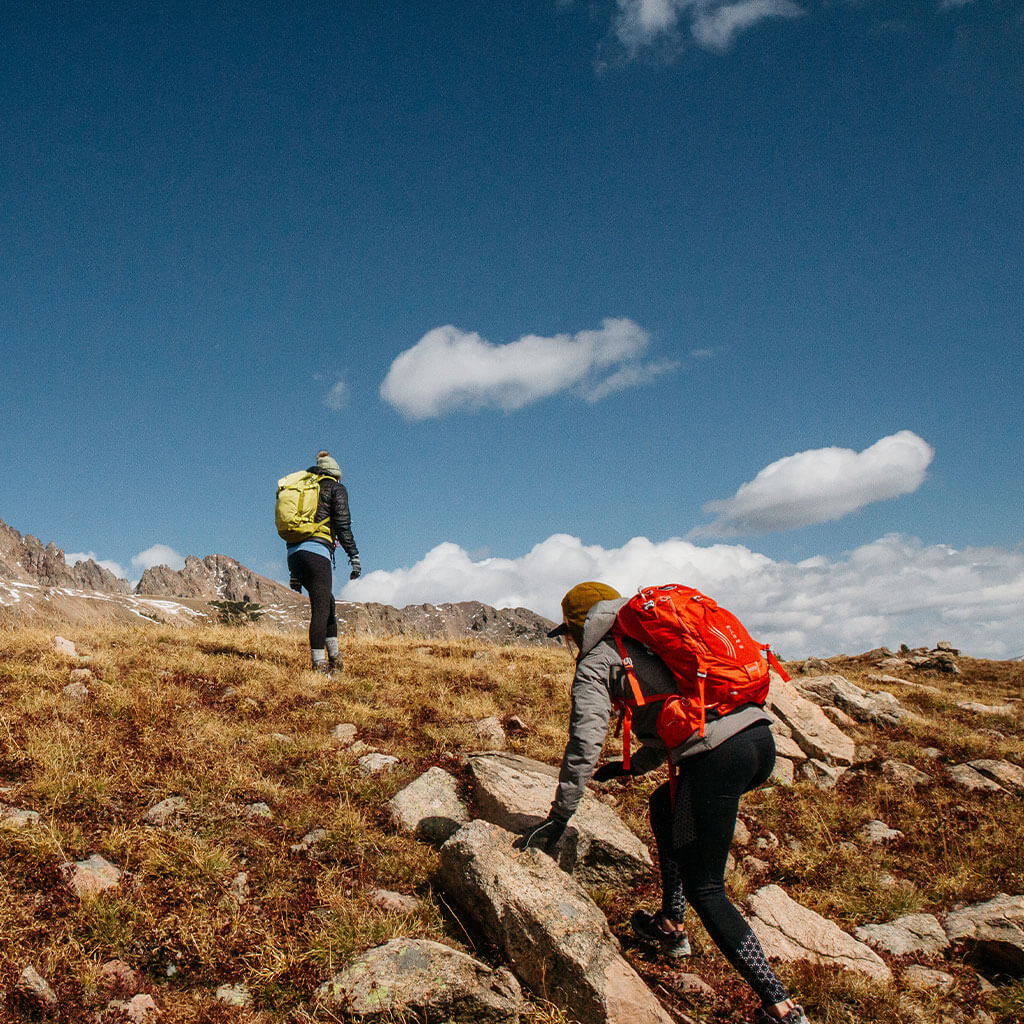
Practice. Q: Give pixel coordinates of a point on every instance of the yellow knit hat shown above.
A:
(577, 603)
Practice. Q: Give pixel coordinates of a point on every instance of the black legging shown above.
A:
(693, 846)
(313, 571)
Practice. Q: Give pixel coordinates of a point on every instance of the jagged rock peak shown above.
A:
(213, 578)
(26, 559)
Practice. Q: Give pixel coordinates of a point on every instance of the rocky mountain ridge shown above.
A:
(37, 585)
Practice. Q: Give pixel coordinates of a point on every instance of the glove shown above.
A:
(295, 585)
(357, 569)
(611, 770)
(544, 836)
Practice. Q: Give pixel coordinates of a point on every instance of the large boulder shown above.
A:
(429, 807)
(788, 931)
(1003, 773)
(816, 736)
(515, 792)
(914, 933)
(552, 933)
(880, 708)
(422, 980)
(994, 929)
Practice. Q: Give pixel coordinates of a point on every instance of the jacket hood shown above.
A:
(599, 620)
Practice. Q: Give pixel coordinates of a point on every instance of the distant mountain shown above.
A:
(37, 586)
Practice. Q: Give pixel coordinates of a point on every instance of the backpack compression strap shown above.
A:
(774, 662)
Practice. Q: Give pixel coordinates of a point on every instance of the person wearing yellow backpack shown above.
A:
(312, 536)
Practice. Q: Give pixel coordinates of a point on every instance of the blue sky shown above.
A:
(725, 292)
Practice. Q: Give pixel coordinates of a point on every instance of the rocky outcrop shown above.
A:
(214, 578)
(791, 932)
(549, 930)
(429, 807)
(809, 727)
(26, 559)
(880, 708)
(515, 792)
(914, 933)
(994, 930)
(422, 980)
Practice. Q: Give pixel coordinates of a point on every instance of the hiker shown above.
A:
(310, 561)
(693, 833)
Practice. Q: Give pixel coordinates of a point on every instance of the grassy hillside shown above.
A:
(229, 718)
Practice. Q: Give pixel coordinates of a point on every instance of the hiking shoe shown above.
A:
(323, 668)
(795, 1016)
(648, 927)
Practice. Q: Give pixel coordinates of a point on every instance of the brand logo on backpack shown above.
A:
(716, 665)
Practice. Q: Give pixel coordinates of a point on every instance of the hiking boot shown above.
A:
(795, 1016)
(649, 928)
(323, 668)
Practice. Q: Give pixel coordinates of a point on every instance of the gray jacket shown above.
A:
(600, 679)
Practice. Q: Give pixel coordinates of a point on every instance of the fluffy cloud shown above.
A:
(891, 591)
(819, 486)
(158, 554)
(103, 563)
(449, 369)
(712, 24)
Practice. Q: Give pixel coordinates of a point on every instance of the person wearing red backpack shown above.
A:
(693, 819)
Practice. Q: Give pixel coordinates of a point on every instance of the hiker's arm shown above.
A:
(341, 521)
(588, 726)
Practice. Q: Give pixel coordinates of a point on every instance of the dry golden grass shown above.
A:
(199, 713)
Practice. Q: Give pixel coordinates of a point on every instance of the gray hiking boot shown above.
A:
(323, 668)
(649, 927)
(795, 1016)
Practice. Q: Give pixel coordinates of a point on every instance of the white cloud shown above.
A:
(337, 398)
(713, 24)
(449, 369)
(894, 590)
(702, 353)
(103, 563)
(819, 486)
(158, 554)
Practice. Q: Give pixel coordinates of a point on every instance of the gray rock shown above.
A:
(968, 777)
(927, 979)
(995, 930)
(914, 933)
(1005, 774)
(876, 832)
(786, 746)
(376, 764)
(880, 708)
(65, 647)
(741, 834)
(16, 818)
(117, 978)
(790, 932)
(822, 774)
(258, 811)
(77, 692)
(904, 776)
(489, 734)
(839, 718)
(987, 709)
(36, 990)
(239, 887)
(140, 1009)
(233, 995)
(394, 902)
(783, 771)
(344, 734)
(549, 930)
(816, 735)
(515, 792)
(425, 980)
(93, 875)
(429, 807)
(165, 810)
(310, 842)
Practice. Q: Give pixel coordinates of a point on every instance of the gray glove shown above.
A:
(357, 569)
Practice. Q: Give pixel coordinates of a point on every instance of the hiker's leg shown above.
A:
(313, 571)
(333, 654)
(673, 902)
(715, 781)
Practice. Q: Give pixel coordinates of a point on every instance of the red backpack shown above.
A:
(716, 665)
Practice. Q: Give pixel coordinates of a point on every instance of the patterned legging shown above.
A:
(693, 840)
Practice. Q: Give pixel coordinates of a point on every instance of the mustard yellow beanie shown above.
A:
(578, 602)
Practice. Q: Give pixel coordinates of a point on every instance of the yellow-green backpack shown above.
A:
(295, 510)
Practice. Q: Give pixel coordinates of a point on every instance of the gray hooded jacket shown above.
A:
(601, 679)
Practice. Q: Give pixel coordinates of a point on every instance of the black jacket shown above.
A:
(333, 506)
